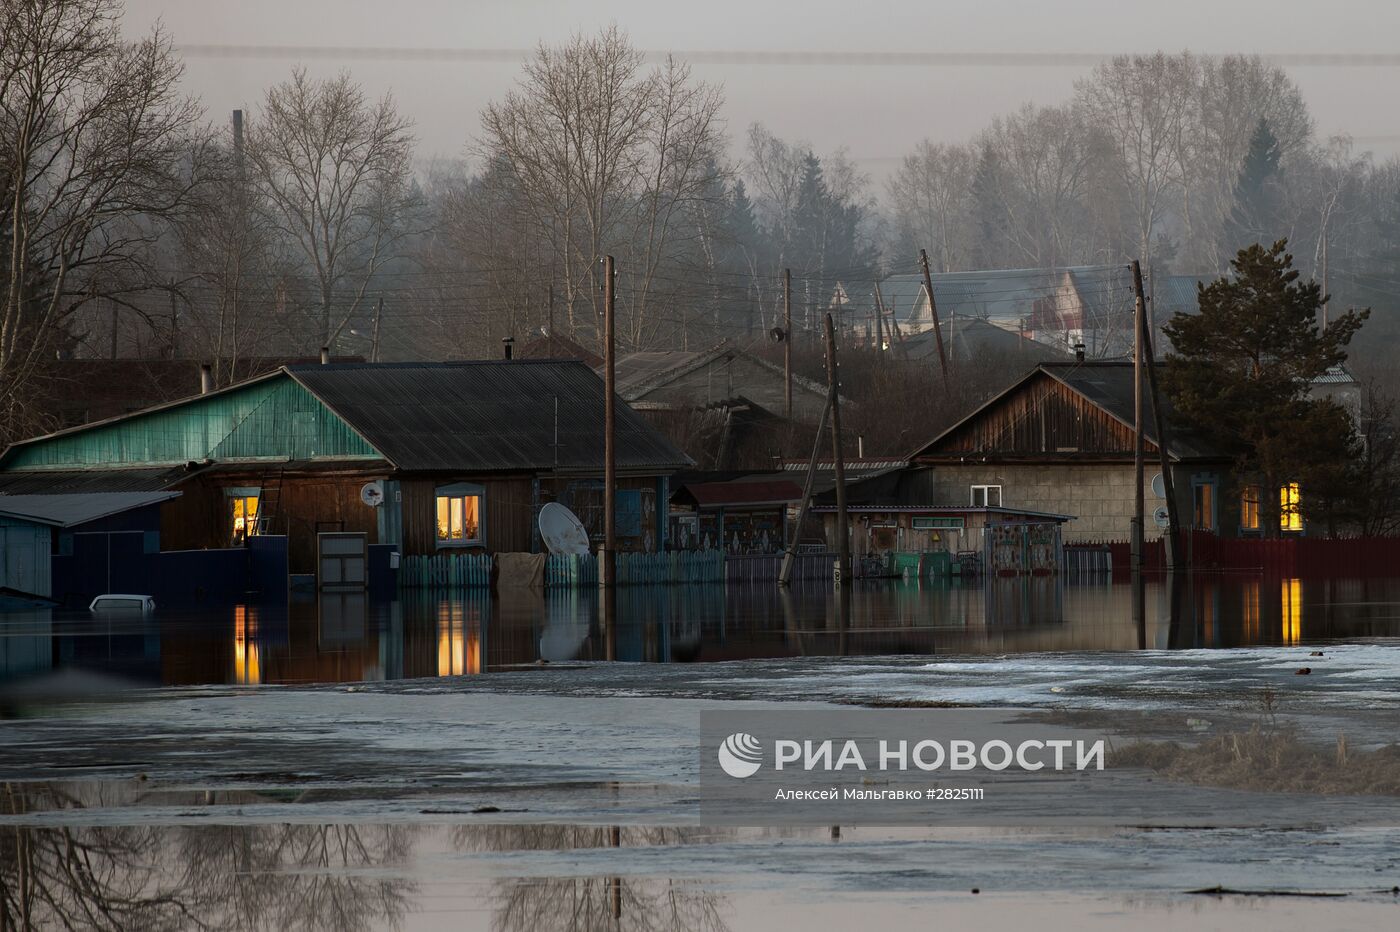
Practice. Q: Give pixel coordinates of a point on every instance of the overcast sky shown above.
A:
(877, 112)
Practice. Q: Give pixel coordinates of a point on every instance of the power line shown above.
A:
(760, 57)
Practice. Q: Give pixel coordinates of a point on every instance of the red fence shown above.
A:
(1285, 556)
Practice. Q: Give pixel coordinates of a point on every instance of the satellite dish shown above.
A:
(777, 334)
(372, 493)
(1159, 488)
(1162, 517)
(562, 531)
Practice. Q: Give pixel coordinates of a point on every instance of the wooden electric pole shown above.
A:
(833, 388)
(1173, 539)
(605, 566)
(933, 310)
(374, 337)
(790, 551)
(1140, 325)
(174, 324)
(787, 343)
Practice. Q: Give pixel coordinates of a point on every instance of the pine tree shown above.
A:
(1240, 372)
(1253, 218)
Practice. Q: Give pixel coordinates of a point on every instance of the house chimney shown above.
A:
(1079, 352)
(325, 355)
(206, 379)
(509, 343)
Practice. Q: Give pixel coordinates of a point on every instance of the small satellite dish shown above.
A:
(562, 531)
(372, 493)
(1162, 517)
(777, 334)
(1159, 488)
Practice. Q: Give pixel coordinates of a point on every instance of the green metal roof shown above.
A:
(271, 418)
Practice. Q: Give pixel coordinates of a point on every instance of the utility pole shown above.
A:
(933, 309)
(113, 303)
(897, 335)
(1173, 540)
(790, 551)
(374, 338)
(833, 387)
(174, 324)
(879, 327)
(1140, 323)
(787, 343)
(605, 566)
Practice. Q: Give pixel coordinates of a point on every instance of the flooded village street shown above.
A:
(736, 467)
(475, 762)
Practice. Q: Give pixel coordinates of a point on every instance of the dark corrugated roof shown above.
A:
(743, 492)
(60, 481)
(1110, 386)
(486, 415)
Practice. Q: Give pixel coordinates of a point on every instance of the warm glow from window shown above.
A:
(1249, 613)
(1249, 509)
(1290, 518)
(245, 516)
(247, 670)
(459, 646)
(1204, 518)
(1292, 602)
(458, 518)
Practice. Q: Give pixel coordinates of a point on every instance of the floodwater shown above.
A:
(345, 638)
(150, 780)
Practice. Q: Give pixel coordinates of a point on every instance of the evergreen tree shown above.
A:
(1253, 217)
(1240, 372)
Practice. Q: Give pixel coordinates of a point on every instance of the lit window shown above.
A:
(986, 496)
(458, 518)
(1292, 610)
(1249, 508)
(1290, 518)
(1204, 518)
(244, 509)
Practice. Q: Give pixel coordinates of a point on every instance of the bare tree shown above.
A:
(334, 170)
(606, 155)
(96, 146)
(1146, 105)
(931, 195)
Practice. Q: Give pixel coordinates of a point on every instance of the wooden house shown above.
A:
(1060, 440)
(421, 456)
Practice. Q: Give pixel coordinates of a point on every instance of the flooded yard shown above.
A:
(345, 638)
(476, 762)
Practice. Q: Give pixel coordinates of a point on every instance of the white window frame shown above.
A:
(986, 491)
(461, 490)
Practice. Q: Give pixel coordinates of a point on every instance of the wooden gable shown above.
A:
(1040, 418)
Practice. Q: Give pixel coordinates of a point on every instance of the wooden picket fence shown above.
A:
(446, 571)
(570, 571)
(565, 571)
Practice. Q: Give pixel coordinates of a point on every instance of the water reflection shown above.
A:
(247, 877)
(309, 878)
(345, 638)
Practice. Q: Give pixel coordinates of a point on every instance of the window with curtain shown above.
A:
(1249, 508)
(458, 510)
(1204, 517)
(1290, 518)
(243, 509)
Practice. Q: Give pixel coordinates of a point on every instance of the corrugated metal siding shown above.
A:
(273, 419)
